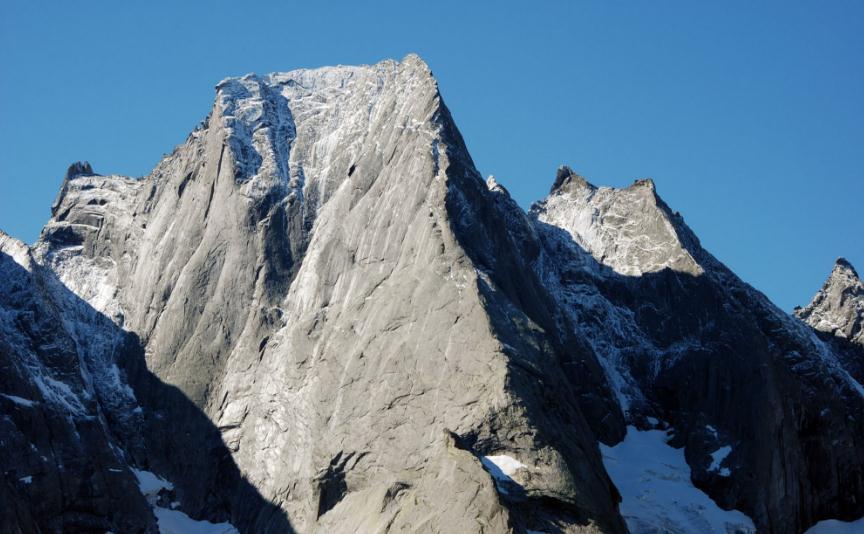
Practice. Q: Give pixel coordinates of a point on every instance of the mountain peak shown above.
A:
(493, 185)
(567, 180)
(328, 76)
(843, 265)
(322, 251)
(79, 168)
(415, 60)
(645, 182)
(17, 250)
(76, 170)
(273, 121)
(630, 229)
(844, 277)
(838, 308)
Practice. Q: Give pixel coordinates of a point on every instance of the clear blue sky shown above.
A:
(748, 115)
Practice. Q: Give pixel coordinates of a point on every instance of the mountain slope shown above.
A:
(319, 268)
(321, 319)
(687, 342)
(838, 308)
(836, 313)
(61, 463)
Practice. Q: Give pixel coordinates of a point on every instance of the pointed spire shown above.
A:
(838, 308)
(842, 264)
(645, 182)
(79, 168)
(493, 185)
(566, 180)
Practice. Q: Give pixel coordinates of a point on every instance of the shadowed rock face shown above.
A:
(71, 420)
(61, 471)
(687, 342)
(326, 319)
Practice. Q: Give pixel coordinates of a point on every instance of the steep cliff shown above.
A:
(836, 313)
(314, 315)
(322, 272)
(770, 417)
(61, 402)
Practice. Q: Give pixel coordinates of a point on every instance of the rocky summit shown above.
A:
(314, 315)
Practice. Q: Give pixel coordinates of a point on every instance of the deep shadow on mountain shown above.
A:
(187, 447)
(851, 354)
(59, 473)
(730, 360)
(176, 440)
(560, 384)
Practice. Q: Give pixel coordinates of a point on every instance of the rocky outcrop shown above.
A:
(687, 342)
(630, 230)
(314, 315)
(836, 313)
(321, 270)
(838, 308)
(79, 168)
(62, 465)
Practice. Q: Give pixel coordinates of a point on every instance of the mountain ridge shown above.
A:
(351, 319)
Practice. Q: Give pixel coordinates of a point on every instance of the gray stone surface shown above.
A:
(687, 342)
(838, 308)
(836, 313)
(322, 272)
(315, 316)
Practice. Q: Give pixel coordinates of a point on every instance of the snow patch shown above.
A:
(502, 468)
(174, 521)
(19, 400)
(501, 465)
(717, 458)
(150, 484)
(59, 393)
(658, 495)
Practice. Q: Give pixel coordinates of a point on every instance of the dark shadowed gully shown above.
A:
(69, 452)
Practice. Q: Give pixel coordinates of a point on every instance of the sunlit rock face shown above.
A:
(836, 313)
(838, 308)
(314, 315)
(630, 230)
(320, 270)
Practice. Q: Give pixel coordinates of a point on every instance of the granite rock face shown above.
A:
(687, 342)
(836, 313)
(321, 271)
(315, 316)
(63, 466)
(838, 308)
